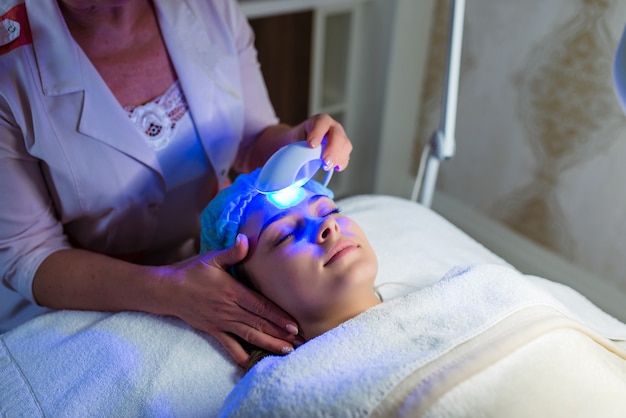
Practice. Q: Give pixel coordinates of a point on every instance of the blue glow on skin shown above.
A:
(287, 197)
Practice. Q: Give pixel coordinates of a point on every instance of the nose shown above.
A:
(327, 229)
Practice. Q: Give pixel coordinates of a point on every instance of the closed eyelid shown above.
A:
(281, 229)
(323, 205)
(331, 210)
(277, 226)
(312, 201)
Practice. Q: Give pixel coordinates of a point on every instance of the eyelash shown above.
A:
(333, 212)
(284, 238)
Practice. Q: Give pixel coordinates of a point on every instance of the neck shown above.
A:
(313, 327)
(92, 17)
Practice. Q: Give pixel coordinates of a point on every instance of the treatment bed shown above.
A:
(460, 331)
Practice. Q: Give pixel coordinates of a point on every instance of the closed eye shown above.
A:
(285, 237)
(292, 232)
(333, 212)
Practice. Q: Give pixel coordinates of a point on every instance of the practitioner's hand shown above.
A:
(338, 147)
(315, 130)
(212, 301)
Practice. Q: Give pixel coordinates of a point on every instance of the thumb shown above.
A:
(232, 255)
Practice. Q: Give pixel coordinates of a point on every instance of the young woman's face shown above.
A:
(310, 260)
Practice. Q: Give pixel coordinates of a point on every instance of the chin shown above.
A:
(360, 272)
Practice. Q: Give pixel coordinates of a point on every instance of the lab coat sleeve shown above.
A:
(29, 230)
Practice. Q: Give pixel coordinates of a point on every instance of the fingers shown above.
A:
(257, 332)
(336, 154)
(263, 339)
(234, 349)
(244, 313)
(239, 354)
(265, 325)
(266, 316)
(231, 256)
(317, 127)
(251, 301)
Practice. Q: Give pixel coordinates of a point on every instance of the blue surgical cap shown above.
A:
(224, 215)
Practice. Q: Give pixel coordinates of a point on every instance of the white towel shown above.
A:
(350, 369)
(88, 364)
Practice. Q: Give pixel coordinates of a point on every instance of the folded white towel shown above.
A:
(350, 369)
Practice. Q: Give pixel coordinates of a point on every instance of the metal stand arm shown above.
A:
(442, 144)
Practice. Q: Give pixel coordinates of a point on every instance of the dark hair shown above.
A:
(256, 354)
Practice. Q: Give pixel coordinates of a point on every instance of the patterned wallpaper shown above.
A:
(541, 137)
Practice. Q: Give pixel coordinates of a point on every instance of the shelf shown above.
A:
(263, 8)
(336, 108)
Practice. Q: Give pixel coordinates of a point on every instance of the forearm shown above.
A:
(79, 279)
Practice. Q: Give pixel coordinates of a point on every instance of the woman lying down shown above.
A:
(483, 341)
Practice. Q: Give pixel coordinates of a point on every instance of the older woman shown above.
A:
(119, 121)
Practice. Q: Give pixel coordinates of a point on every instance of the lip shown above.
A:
(340, 249)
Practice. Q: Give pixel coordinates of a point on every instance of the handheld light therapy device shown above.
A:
(287, 170)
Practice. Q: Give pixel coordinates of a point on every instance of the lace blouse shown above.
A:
(167, 127)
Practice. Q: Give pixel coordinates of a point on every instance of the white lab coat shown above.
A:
(70, 158)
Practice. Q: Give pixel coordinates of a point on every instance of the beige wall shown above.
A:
(541, 138)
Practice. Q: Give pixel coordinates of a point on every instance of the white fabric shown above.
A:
(154, 366)
(70, 156)
(93, 364)
(9, 31)
(157, 118)
(561, 374)
(415, 245)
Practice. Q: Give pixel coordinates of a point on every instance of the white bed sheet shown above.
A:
(415, 245)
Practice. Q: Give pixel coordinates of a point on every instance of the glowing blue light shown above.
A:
(287, 197)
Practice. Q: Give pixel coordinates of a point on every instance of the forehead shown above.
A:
(261, 211)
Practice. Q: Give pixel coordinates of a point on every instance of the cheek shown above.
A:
(260, 273)
(285, 279)
(351, 228)
(275, 270)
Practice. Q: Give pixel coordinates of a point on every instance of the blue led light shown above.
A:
(287, 197)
